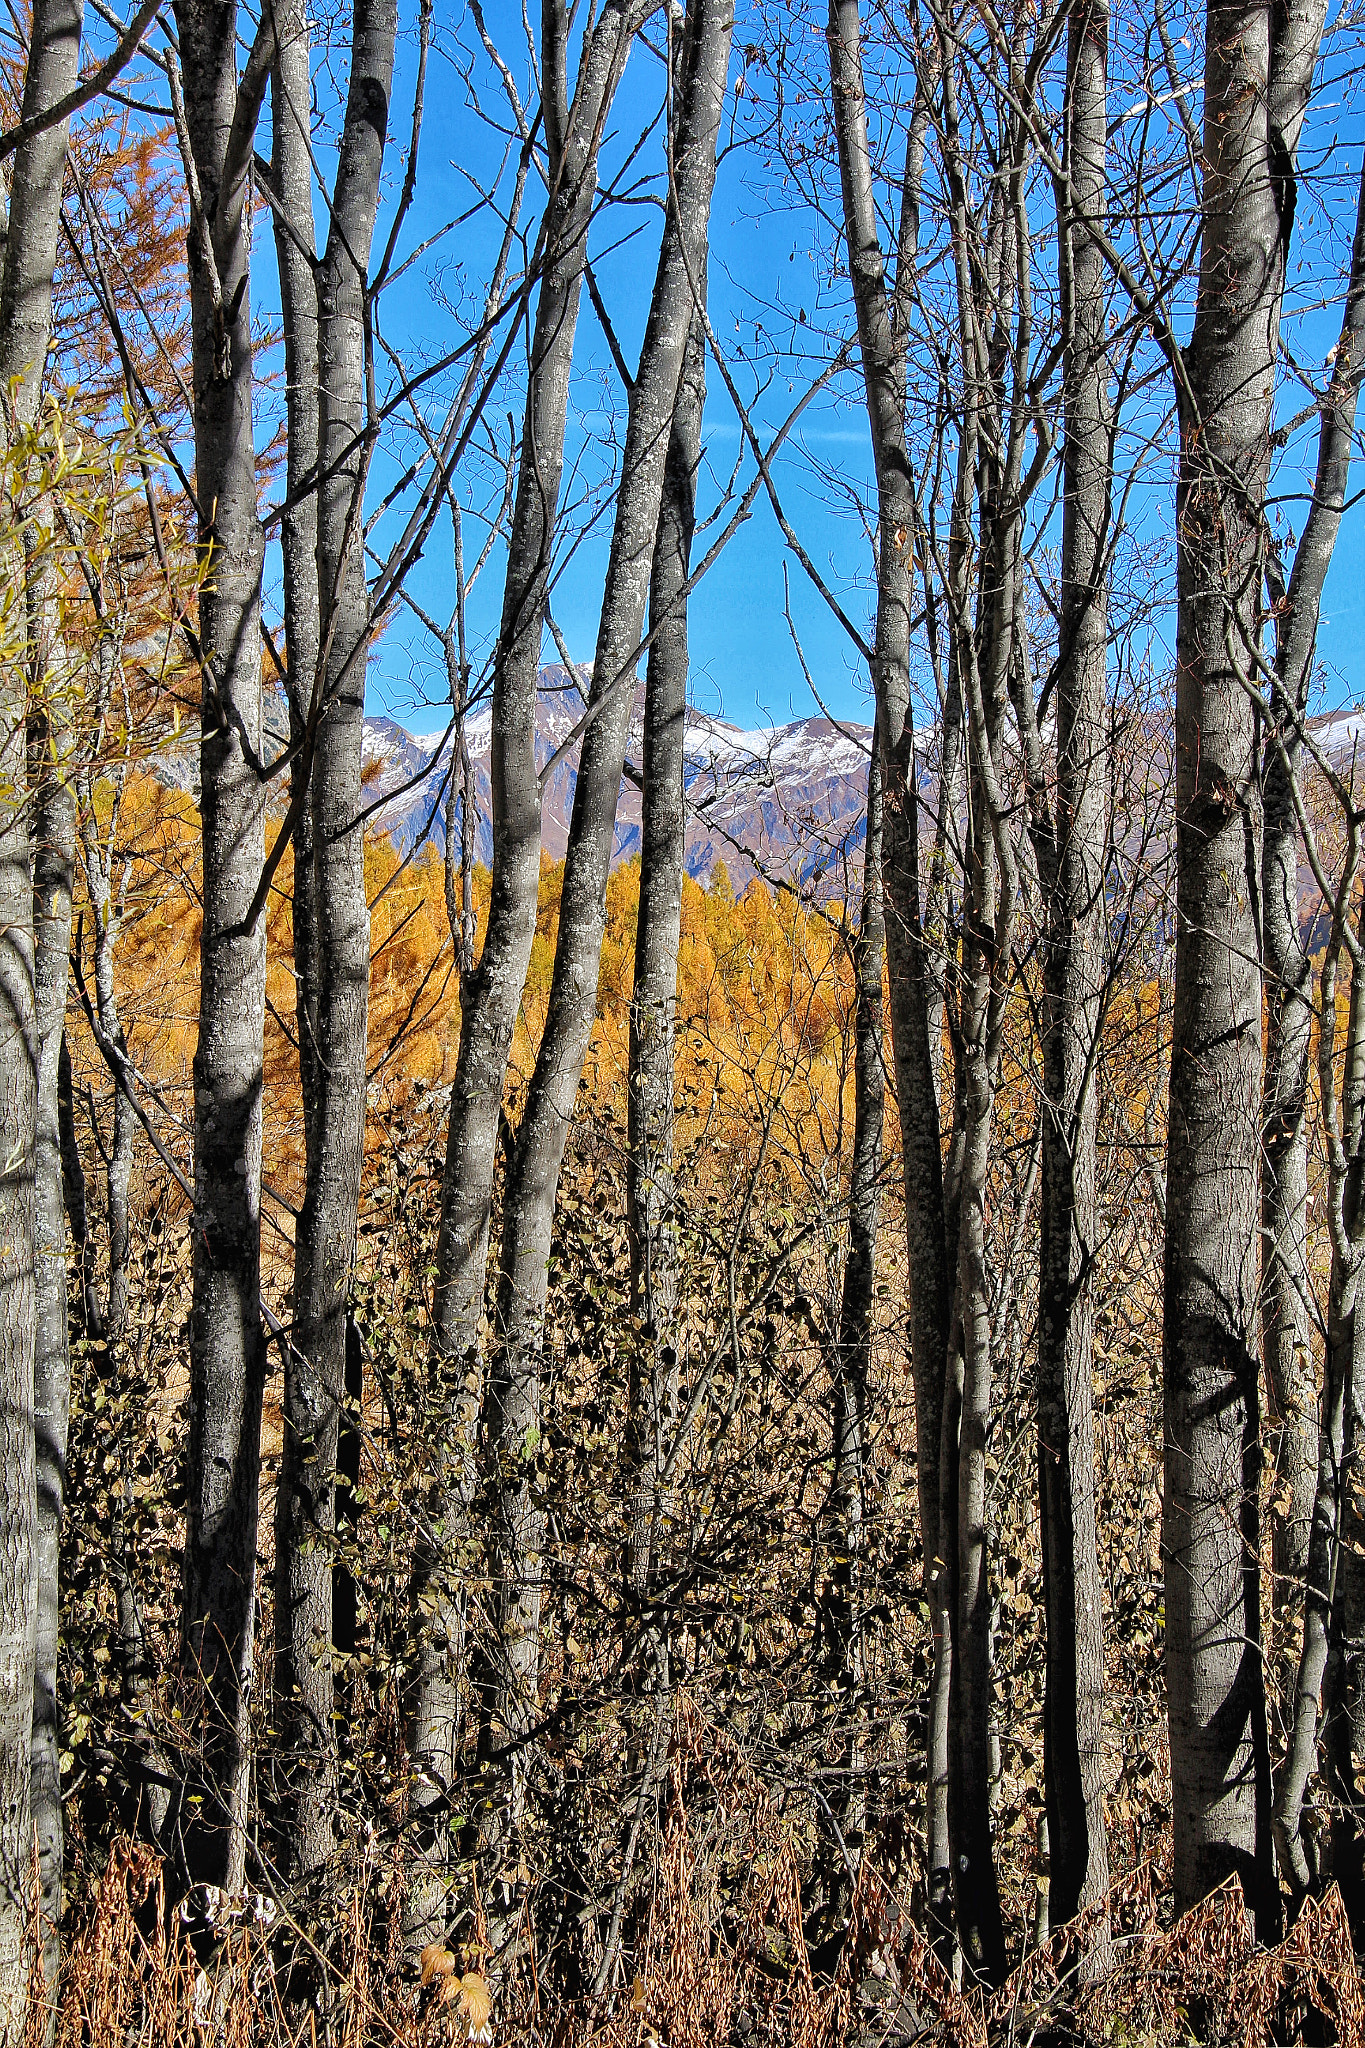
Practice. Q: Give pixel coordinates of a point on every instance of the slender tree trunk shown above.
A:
(73, 1192)
(513, 1408)
(1074, 977)
(1258, 71)
(650, 1193)
(1327, 1586)
(491, 994)
(911, 975)
(852, 1364)
(291, 100)
(18, 1547)
(34, 1364)
(976, 1892)
(1284, 1204)
(53, 870)
(1286, 1318)
(99, 865)
(227, 1350)
(98, 839)
(148, 1770)
(1334, 1620)
(315, 1370)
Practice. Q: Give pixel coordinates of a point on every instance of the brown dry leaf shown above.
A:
(637, 1995)
(476, 2003)
(436, 1962)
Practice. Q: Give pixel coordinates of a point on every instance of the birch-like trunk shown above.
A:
(315, 1369)
(1074, 971)
(911, 974)
(491, 994)
(968, 1400)
(852, 1365)
(291, 167)
(1258, 72)
(512, 1413)
(54, 835)
(227, 1349)
(18, 1543)
(35, 918)
(650, 1191)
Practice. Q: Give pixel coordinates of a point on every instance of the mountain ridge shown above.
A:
(782, 801)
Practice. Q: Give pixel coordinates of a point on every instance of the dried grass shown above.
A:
(721, 1958)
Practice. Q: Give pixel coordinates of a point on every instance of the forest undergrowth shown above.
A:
(679, 1880)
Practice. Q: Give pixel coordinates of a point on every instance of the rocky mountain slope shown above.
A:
(779, 800)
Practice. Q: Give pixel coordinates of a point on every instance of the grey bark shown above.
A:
(491, 994)
(227, 1351)
(1286, 1319)
(910, 968)
(54, 833)
(34, 1367)
(295, 254)
(1328, 1588)
(1334, 1620)
(512, 1413)
(852, 1362)
(1285, 1322)
(18, 1540)
(1258, 72)
(315, 1368)
(650, 1192)
(987, 976)
(1073, 869)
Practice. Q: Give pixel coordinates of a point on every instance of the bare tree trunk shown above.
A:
(1286, 1319)
(491, 994)
(34, 1363)
(227, 1349)
(1344, 1732)
(852, 1363)
(73, 1191)
(911, 972)
(513, 1407)
(1333, 1661)
(98, 851)
(650, 1193)
(1328, 1587)
(315, 1369)
(291, 101)
(976, 1892)
(1074, 977)
(18, 1544)
(53, 871)
(1285, 1195)
(1258, 71)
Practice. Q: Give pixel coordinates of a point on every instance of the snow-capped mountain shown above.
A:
(779, 800)
(783, 801)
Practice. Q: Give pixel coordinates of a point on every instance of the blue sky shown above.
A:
(769, 263)
(743, 661)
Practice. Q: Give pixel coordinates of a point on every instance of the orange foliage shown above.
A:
(765, 993)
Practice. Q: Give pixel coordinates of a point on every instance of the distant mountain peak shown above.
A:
(779, 800)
